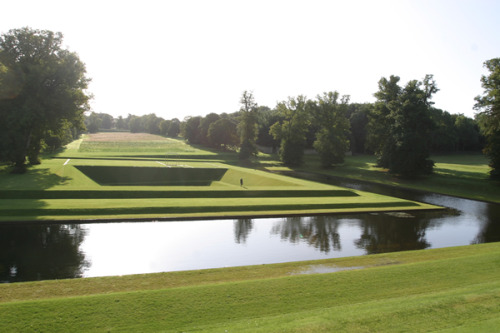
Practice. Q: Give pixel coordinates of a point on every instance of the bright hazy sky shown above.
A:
(192, 57)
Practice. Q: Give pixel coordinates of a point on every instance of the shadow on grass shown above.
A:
(39, 179)
(460, 174)
(18, 186)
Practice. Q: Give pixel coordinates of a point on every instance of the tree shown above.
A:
(174, 128)
(151, 123)
(469, 136)
(444, 136)
(222, 133)
(267, 118)
(488, 106)
(192, 130)
(378, 137)
(106, 120)
(93, 123)
(291, 131)
(120, 123)
(50, 92)
(358, 118)
(164, 125)
(332, 138)
(205, 123)
(405, 115)
(135, 125)
(247, 126)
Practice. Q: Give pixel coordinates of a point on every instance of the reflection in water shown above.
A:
(381, 234)
(34, 252)
(319, 231)
(490, 229)
(242, 228)
(41, 252)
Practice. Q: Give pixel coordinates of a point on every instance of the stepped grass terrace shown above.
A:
(113, 176)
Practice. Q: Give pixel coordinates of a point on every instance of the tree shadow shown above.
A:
(460, 174)
(34, 179)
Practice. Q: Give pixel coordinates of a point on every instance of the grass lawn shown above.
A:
(461, 175)
(117, 176)
(450, 290)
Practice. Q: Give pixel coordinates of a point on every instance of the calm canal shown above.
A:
(56, 251)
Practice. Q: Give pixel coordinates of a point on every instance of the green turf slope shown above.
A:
(160, 178)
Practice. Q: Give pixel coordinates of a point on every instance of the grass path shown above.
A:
(430, 290)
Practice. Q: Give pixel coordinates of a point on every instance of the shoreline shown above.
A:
(215, 217)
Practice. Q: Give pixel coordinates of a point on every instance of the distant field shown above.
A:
(118, 142)
(117, 176)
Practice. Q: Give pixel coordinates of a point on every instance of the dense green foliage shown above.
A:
(489, 116)
(402, 126)
(247, 126)
(441, 289)
(42, 96)
(332, 138)
(222, 134)
(291, 130)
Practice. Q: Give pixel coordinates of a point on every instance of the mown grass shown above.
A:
(95, 178)
(430, 290)
(461, 175)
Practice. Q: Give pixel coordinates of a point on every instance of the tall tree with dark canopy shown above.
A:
(404, 132)
(488, 106)
(247, 126)
(191, 130)
(291, 131)
(332, 138)
(223, 134)
(49, 91)
(378, 136)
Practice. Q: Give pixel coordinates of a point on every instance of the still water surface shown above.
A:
(35, 252)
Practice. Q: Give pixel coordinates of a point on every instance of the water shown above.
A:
(40, 252)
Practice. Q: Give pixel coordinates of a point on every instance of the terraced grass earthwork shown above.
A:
(115, 176)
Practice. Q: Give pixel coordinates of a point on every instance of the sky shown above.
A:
(193, 57)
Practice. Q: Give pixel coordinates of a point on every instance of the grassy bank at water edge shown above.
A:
(447, 290)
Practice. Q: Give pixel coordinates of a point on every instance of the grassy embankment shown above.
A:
(460, 175)
(446, 290)
(126, 176)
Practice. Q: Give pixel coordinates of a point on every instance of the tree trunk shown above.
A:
(20, 159)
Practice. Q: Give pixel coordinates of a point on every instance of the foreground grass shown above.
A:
(443, 289)
(461, 175)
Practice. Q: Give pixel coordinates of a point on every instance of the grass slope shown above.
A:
(117, 176)
(461, 175)
(443, 289)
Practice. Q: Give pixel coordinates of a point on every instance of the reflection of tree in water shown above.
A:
(490, 230)
(319, 231)
(242, 228)
(383, 233)
(31, 252)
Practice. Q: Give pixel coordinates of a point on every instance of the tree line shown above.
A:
(43, 102)
(402, 127)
